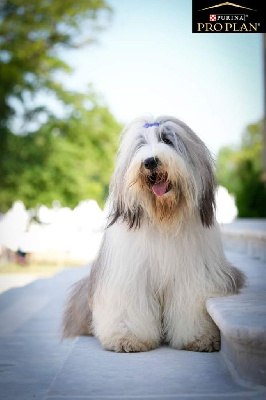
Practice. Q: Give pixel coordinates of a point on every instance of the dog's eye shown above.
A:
(167, 141)
(140, 143)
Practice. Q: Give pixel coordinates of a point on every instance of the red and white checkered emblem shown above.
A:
(212, 17)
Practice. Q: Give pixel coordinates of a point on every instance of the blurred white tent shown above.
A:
(13, 224)
(76, 232)
(226, 210)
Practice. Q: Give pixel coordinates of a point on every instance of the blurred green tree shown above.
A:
(31, 35)
(42, 156)
(240, 171)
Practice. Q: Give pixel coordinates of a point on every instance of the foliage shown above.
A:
(67, 158)
(240, 171)
(40, 270)
(31, 34)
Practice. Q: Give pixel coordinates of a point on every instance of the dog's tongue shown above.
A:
(159, 188)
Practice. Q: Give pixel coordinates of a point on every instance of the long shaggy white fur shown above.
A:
(161, 257)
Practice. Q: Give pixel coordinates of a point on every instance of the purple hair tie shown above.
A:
(149, 125)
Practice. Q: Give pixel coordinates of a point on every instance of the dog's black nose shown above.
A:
(151, 163)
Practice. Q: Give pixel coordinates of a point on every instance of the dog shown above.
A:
(161, 255)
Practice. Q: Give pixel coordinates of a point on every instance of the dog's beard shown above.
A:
(165, 196)
(159, 183)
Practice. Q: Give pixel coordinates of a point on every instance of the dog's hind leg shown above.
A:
(78, 317)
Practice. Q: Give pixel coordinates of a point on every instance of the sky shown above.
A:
(147, 61)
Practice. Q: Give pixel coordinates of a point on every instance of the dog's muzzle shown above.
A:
(156, 179)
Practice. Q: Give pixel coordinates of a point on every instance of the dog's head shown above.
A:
(163, 172)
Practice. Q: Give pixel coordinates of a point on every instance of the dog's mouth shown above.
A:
(159, 183)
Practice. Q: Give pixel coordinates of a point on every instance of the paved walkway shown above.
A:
(15, 280)
(35, 364)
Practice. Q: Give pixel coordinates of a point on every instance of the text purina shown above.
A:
(230, 17)
(227, 27)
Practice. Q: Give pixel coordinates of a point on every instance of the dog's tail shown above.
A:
(238, 279)
(77, 318)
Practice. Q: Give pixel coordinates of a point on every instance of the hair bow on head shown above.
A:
(149, 125)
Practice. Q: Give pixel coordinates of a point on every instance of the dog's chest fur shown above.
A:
(159, 261)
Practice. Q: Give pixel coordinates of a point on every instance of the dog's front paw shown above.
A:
(205, 343)
(127, 344)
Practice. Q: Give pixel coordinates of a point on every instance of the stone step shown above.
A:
(246, 236)
(242, 322)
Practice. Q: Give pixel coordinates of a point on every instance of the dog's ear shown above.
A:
(131, 217)
(114, 215)
(134, 217)
(207, 200)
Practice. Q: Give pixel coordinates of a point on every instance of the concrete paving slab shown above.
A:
(237, 396)
(17, 306)
(15, 280)
(58, 283)
(12, 317)
(45, 322)
(31, 352)
(91, 371)
(28, 365)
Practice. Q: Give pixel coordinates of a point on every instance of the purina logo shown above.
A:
(245, 16)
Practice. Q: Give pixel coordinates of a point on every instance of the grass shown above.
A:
(44, 269)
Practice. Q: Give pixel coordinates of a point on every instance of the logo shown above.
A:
(245, 16)
(227, 3)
